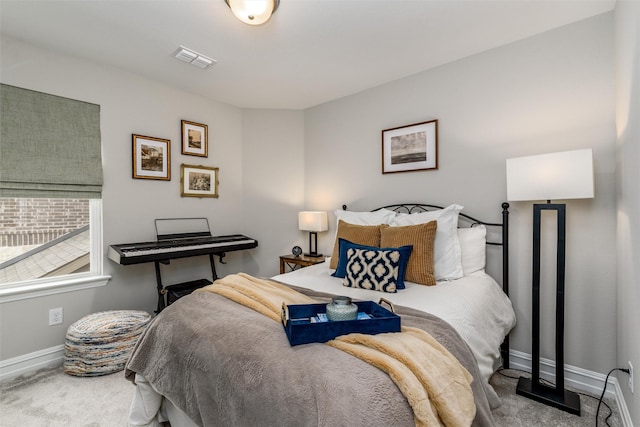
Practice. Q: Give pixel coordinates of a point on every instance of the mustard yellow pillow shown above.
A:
(420, 268)
(368, 235)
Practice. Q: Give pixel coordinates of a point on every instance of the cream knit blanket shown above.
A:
(264, 296)
(436, 385)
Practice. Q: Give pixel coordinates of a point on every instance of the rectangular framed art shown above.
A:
(410, 148)
(195, 139)
(151, 158)
(198, 181)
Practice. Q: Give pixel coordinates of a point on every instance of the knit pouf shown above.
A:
(101, 343)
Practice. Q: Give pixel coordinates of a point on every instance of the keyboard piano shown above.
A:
(136, 253)
(179, 238)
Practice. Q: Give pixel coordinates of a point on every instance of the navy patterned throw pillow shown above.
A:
(377, 269)
(345, 245)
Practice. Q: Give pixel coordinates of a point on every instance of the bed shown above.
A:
(207, 360)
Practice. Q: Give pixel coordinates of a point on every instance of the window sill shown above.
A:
(51, 287)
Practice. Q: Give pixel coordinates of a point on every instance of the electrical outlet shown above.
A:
(55, 316)
(630, 377)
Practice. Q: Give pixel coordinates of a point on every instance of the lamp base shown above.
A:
(567, 401)
(313, 248)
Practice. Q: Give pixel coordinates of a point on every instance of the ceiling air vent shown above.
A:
(194, 58)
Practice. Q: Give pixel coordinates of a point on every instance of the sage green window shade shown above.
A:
(49, 146)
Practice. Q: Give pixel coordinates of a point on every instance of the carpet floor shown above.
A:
(51, 398)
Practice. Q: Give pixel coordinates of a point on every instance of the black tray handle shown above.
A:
(389, 303)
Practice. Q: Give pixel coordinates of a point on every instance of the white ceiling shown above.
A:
(310, 52)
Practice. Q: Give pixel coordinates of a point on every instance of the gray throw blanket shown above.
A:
(224, 364)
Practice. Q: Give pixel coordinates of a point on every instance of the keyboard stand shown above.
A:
(162, 291)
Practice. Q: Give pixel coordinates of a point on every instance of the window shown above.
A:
(50, 194)
(49, 246)
(43, 238)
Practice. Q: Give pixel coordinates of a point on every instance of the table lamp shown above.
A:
(313, 221)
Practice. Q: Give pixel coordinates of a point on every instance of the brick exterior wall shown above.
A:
(26, 222)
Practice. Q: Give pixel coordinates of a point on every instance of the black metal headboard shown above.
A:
(465, 221)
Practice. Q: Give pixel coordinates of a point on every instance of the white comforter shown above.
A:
(474, 305)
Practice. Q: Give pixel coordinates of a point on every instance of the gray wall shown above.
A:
(273, 150)
(627, 36)
(551, 92)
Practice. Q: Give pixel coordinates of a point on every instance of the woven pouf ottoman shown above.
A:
(101, 343)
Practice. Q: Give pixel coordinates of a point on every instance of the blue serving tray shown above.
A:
(296, 319)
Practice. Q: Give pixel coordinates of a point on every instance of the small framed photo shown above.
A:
(151, 158)
(198, 181)
(195, 139)
(410, 148)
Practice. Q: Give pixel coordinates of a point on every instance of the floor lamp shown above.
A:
(313, 222)
(560, 176)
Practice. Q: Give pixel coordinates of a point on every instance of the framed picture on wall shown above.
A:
(410, 148)
(195, 139)
(151, 158)
(198, 181)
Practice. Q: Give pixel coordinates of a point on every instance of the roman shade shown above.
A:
(49, 146)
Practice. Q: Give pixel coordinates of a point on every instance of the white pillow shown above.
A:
(473, 248)
(382, 216)
(446, 251)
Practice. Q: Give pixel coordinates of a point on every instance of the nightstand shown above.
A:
(296, 262)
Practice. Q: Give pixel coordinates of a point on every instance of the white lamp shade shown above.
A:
(556, 176)
(312, 221)
(253, 12)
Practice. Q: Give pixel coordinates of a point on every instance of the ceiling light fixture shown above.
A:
(253, 12)
(194, 58)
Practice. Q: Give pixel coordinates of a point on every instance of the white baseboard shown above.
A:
(31, 362)
(624, 411)
(576, 378)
